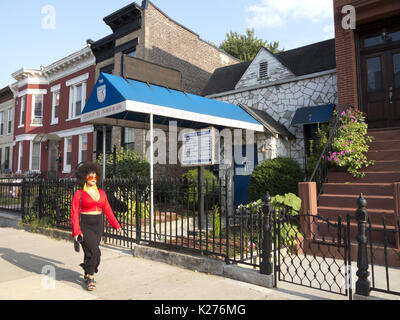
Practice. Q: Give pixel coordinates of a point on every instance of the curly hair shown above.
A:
(83, 171)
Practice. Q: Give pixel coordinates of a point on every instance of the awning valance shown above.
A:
(126, 99)
(310, 115)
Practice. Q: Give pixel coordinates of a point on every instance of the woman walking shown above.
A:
(87, 218)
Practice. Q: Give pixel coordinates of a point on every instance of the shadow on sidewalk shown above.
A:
(41, 265)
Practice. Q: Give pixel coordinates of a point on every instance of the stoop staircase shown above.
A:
(341, 192)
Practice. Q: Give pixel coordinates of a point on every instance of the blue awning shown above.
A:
(310, 115)
(122, 99)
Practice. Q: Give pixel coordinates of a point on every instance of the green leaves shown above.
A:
(128, 164)
(245, 47)
(276, 176)
(289, 200)
(351, 143)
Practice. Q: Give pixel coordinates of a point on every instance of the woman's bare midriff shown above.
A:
(92, 213)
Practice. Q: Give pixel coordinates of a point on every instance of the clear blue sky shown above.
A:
(26, 43)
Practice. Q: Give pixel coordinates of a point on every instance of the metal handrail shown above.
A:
(321, 170)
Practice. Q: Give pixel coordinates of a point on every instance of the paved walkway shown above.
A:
(29, 262)
(36, 267)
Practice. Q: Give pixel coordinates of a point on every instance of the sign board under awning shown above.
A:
(199, 148)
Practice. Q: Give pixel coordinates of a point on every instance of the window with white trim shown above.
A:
(55, 107)
(35, 156)
(77, 98)
(129, 139)
(1, 123)
(83, 147)
(10, 119)
(20, 155)
(37, 112)
(22, 112)
(67, 154)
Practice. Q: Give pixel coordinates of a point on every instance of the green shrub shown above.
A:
(128, 164)
(276, 176)
(191, 194)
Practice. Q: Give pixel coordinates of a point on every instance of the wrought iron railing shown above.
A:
(321, 170)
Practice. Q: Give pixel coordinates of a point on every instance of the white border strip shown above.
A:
(104, 112)
(141, 107)
(146, 108)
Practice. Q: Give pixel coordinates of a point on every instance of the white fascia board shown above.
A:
(104, 112)
(146, 108)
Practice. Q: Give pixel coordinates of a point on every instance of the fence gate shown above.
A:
(313, 252)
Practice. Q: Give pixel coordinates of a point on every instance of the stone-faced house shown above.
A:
(275, 86)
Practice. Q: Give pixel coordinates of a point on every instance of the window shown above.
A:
(7, 159)
(374, 74)
(263, 72)
(22, 114)
(10, 119)
(20, 155)
(1, 123)
(67, 154)
(132, 53)
(56, 105)
(83, 146)
(396, 71)
(77, 99)
(37, 103)
(129, 138)
(1, 159)
(35, 156)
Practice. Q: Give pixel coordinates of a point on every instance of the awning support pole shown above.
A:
(152, 177)
(104, 151)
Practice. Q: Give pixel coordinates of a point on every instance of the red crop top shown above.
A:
(89, 205)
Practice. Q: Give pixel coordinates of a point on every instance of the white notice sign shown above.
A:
(198, 148)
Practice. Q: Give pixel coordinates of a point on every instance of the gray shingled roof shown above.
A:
(301, 61)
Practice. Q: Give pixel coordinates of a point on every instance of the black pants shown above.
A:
(92, 229)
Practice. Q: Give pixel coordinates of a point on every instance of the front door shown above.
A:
(52, 164)
(380, 77)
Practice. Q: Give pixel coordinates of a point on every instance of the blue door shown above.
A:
(241, 178)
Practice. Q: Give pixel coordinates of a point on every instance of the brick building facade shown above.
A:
(368, 58)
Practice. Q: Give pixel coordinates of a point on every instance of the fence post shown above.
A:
(309, 209)
(266, 253)
(23, 195)
(40, 198)
(363, 285)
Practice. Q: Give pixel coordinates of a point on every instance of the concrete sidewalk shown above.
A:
(29, 262)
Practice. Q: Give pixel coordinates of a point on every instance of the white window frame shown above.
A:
(67, 167)
(73, 84)
(31, 156)
(54, 120)
(22, 112)
(81, 146)
(134, 138)
(9, 120)
(33, 111)
(20, 155)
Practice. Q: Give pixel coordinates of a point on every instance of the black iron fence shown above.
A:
(302, 249)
